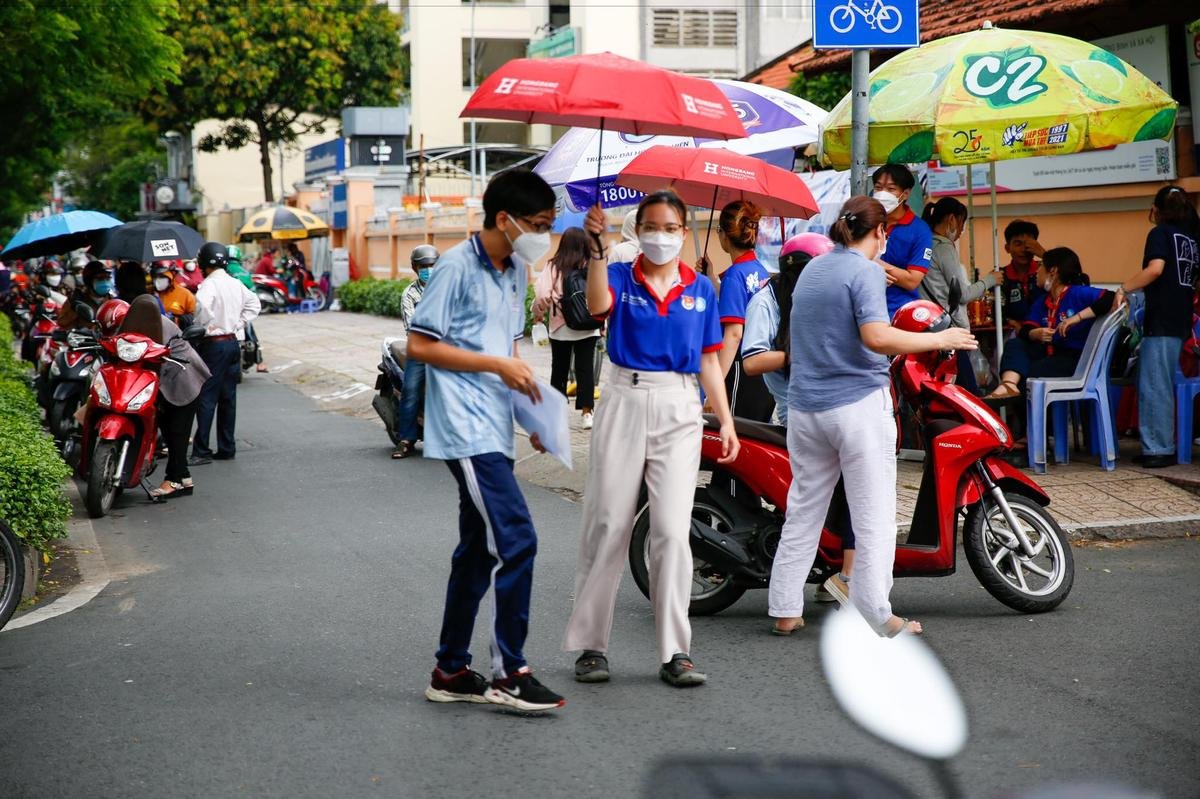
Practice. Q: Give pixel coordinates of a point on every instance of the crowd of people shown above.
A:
(815, 334)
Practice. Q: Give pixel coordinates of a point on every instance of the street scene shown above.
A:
(740, 400)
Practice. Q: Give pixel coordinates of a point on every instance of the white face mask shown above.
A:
(190, 266)
(882, 249)
(162, 283)
(530, 247)
(889, 201)
(660, 247)
(53, 281)
(1048, 284)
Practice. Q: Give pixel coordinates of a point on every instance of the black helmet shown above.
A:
(424, 255)
(161, 268)
(93, 270)
(212, 255)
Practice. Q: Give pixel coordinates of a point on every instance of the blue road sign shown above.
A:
(861, 24)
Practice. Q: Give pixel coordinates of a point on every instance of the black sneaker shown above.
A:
(521, 691)
(592, 666)
(681, 672)
(462, 686)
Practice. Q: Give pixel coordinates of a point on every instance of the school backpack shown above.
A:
(573, 304)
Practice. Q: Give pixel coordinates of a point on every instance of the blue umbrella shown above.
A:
(59, 233)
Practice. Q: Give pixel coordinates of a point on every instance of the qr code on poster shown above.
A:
(1162, 160)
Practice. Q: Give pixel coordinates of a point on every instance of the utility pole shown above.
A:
(860, 70)
(473, 153)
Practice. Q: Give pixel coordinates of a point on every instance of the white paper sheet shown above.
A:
(547, 418)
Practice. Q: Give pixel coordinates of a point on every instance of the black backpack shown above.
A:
(574, 305)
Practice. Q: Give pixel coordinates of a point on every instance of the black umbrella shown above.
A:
(151, 241)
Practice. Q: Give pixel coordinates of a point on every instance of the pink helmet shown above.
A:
(799, 250)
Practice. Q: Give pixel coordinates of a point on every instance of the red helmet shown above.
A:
(110, 316)
(921, 316)
(799, 250)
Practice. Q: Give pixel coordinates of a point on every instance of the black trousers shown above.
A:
(584, 353)
(749, 397)
(218, 398)
(175, 422)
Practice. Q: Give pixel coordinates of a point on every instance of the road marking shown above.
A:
(345, 393)
(284, 366)
(88, 558)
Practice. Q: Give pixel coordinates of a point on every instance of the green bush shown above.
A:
(382, 298)
(31, 471)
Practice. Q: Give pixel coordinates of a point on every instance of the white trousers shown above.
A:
(859, 441)
(647, 423)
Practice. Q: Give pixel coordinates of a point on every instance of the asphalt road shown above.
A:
(271, 636)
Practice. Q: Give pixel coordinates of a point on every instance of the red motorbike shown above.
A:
(119, 445)
(279, 293)
(1014, 546)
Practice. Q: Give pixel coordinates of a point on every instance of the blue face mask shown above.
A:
(423, 274)
(102, 287)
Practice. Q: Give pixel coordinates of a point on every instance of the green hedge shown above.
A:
(382, 298)
(31, 472)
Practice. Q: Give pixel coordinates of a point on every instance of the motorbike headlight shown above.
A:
(54, 370)
(85, 371)
(997, 427)
(101, 389)
(143, 396)
(131, 351)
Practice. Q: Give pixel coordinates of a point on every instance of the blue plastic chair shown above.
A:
(1186, 391)
(1089, 383)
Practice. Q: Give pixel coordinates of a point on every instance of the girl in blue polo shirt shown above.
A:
(663, 339)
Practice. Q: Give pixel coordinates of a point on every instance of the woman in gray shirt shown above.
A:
(840, 417)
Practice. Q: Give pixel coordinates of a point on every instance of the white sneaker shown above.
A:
(587, 420)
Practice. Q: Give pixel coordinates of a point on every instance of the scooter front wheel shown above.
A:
(102, 485)
(1029, 584)
(712, 589)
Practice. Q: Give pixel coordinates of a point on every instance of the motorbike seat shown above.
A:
(773, 434)
(399, 350)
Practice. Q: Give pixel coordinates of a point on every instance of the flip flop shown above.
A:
(903, 629)
(777, 630)
(1005, 391)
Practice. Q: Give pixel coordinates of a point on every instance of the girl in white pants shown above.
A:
(840, 417)
(663, 338)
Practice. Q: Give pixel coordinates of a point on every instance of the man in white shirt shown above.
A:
(224, 306)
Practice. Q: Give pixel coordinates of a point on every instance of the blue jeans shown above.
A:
(1158, 359)
(410, 401)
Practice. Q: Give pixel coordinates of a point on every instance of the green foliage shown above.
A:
(378, 297)
(31, 471)
(275, 69)
(826, 89)
(106, 165)
(67, 64)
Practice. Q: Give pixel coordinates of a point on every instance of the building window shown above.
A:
(695, 27)
(490, 55)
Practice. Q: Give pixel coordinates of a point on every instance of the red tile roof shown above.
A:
(941, 18)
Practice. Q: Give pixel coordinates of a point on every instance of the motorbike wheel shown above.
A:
(12, 573)
(61, 419)
(315, 293)
(102, 485)
(1027, 584)
(712, 591)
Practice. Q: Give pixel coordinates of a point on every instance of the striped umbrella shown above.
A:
(282, 222)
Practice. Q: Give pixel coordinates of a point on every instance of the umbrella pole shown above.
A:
(599, 170)
(708, 235)
(971, 227)
(996, 260)
(695, 238)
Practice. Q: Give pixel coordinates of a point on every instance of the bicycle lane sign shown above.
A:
(866, 24)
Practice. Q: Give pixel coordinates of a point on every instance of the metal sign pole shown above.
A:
(860, 70)
(996, 260)
(971, 224)
(473, 155)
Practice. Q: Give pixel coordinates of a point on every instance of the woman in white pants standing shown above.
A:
(663, 338)
(841, 419)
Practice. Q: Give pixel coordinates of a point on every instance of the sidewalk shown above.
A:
(331, 357)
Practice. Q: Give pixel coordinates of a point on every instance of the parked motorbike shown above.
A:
(69, 377)
(389, 385)
(118, 449)
(279, 293)
(1013, 544)
(47, 339)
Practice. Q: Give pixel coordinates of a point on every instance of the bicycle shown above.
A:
(883, 17)
(12, 573)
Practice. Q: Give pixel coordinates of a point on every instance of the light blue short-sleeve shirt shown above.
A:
(762, 326)
(470, 304)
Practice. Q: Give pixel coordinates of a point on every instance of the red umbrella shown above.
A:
(608, 92)
(711, 178)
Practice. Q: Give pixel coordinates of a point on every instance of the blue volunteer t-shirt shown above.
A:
(739, 283)
(650, 334)
(1046, 313)
(909, 246)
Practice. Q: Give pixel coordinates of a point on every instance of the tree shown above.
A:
(67, 64)
(273, 70)
(106, 165)
(826, 89)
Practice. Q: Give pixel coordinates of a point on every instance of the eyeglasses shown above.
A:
(535, 226)
(671, 230)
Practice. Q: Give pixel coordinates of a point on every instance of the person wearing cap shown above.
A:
(423, 257)
(177, 302)
(237, 269)
(95, 286)
(224, 307)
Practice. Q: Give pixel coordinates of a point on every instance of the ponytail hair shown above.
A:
(1066, 263)
(739, 223)
(936, 213)
(1172, 207)
(857, 219)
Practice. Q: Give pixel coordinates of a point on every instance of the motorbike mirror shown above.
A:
(42, 290)
(193, 332)
(85, 312)
(895, 688)
(59, 335)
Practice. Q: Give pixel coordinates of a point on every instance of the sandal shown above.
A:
(171, 489)
(681, 672)
(906, 627)
(782, 626)
(404, 449)
(592, 666)
(1005, 391)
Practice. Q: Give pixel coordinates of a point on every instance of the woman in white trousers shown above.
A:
(840, 417)
(663, 337)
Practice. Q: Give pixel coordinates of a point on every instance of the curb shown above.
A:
(1147, 529)
(88, 557)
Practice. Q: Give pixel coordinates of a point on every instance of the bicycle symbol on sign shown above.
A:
(879, 16)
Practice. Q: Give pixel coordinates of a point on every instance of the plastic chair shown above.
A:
(1090, 382)
(309, 306)
(1186, 391)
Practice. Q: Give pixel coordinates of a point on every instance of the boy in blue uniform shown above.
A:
(465, 332)
(909, 240)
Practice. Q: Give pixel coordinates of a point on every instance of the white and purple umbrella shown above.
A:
(778, 124)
